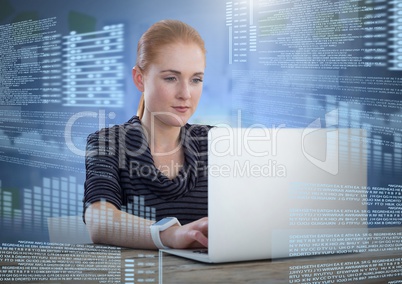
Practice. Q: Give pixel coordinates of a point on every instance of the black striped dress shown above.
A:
(120, 170)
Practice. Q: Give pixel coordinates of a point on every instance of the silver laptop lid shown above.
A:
(269, 186)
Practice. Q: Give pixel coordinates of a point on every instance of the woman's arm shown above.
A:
(108, 225)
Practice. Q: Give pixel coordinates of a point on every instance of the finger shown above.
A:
(199, 237)
(202, 224)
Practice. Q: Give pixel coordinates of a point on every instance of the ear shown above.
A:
(138, 78)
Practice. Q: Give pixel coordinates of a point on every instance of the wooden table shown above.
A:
(147, 266)
(287, 270)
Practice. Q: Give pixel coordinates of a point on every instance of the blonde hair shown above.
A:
(160, 34)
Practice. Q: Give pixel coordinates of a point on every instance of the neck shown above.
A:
(162, 139)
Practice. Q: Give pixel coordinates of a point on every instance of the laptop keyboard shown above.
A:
(201, 251)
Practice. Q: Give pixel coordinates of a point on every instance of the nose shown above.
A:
(184, 91)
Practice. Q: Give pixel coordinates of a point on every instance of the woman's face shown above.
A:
(172, 84)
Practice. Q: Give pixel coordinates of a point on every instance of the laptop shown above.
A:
(273, 190)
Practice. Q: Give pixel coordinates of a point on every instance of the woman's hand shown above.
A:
(192, 235)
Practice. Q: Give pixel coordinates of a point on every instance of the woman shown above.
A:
(154, 165)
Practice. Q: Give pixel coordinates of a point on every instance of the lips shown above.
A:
(181, 108)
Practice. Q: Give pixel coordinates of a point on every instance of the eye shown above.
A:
(170, 79)
(197, 80)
